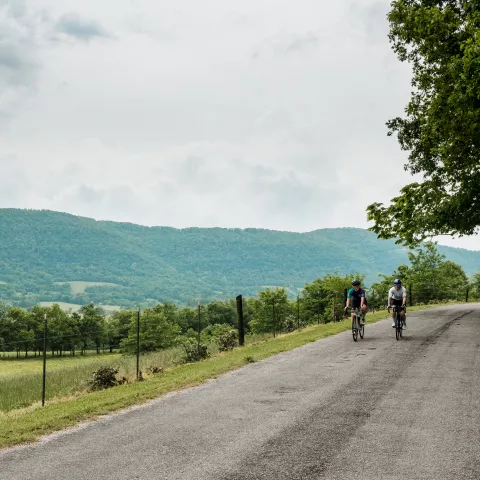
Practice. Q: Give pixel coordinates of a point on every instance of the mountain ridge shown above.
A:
(40, 250)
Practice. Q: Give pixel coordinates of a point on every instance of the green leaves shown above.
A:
(441, 130)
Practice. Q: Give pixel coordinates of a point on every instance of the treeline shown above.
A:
(429, 278)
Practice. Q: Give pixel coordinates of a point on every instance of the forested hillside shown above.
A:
(42, 251)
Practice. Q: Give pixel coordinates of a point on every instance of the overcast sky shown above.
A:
(252, 113)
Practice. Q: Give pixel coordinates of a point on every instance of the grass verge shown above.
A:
(20, 426)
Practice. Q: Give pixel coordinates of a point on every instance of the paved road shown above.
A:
(377, 409)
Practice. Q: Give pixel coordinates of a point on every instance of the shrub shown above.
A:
(104, 377)
(227, 341)
(195, 352)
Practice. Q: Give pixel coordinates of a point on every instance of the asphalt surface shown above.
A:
(333, 409)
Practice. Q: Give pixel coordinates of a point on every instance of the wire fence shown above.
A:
(278, 318)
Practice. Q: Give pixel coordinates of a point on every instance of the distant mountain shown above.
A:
(50, 256)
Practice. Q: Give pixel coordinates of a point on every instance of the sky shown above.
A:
(253, 113)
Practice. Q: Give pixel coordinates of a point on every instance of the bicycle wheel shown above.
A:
(398, 328)
(401, 328)
(354, 332)
(362, 331)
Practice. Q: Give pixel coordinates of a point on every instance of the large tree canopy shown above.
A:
(441, 129)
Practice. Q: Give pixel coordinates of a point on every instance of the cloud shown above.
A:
(19, 56)
(174, 124)
(285, 44)
(369, 19)
(72, 25)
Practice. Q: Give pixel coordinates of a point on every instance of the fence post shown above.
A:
(410, 295)
(466, 296)
(318, 308)
(241, 325)
(199, 328)
(274, 320)
(44, 358)
(345, 294)
(138, 344)
(298, 311)
(333, 308)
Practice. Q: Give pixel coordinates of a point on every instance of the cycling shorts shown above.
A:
(356, 302)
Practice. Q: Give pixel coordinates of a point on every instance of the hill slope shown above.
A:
(42, 251)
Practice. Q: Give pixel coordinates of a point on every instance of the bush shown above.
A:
(195, 352)
(290, 323)
(228, 341)
(153, 369)
(104, 377)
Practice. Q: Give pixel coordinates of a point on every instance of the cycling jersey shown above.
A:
(356, 297)
(397, 294)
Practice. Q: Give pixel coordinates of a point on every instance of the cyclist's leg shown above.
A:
(355, 305)
(364, 312)
(395, 303)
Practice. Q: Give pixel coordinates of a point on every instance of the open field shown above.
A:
(75, 307)
(13, 366)
(21, 380)
(79, 287)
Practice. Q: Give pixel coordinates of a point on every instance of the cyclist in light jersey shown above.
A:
(397, 295)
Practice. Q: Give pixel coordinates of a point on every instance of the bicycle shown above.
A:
(358, 324)
(398, 320)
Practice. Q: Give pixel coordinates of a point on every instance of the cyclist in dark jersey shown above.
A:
(356, 295)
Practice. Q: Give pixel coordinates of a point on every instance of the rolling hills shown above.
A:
(50, 256)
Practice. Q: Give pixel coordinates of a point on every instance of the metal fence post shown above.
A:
(274, 319)
(298, 311)
(199, 329)
(241, 324)
(44, 359)
(138, 344)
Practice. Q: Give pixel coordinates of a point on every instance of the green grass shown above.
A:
(13, 366)
(74, 307)
(21, 380)
(19, 426)
(79, 287)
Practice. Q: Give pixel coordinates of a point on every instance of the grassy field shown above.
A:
(21, 380)
(75, 307)
(19, 425)
(79, 287)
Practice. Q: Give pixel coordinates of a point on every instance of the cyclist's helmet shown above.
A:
(356, 283)
(397, 282)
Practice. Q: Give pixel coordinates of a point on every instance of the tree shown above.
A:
(431, 277)
(271, 311)
(320, 295)
(157, 332)
(222, 312)
(474, 284)
(453, 281)
(441, 130)
(92, 327)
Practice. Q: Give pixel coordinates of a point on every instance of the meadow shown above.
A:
(21, 380)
